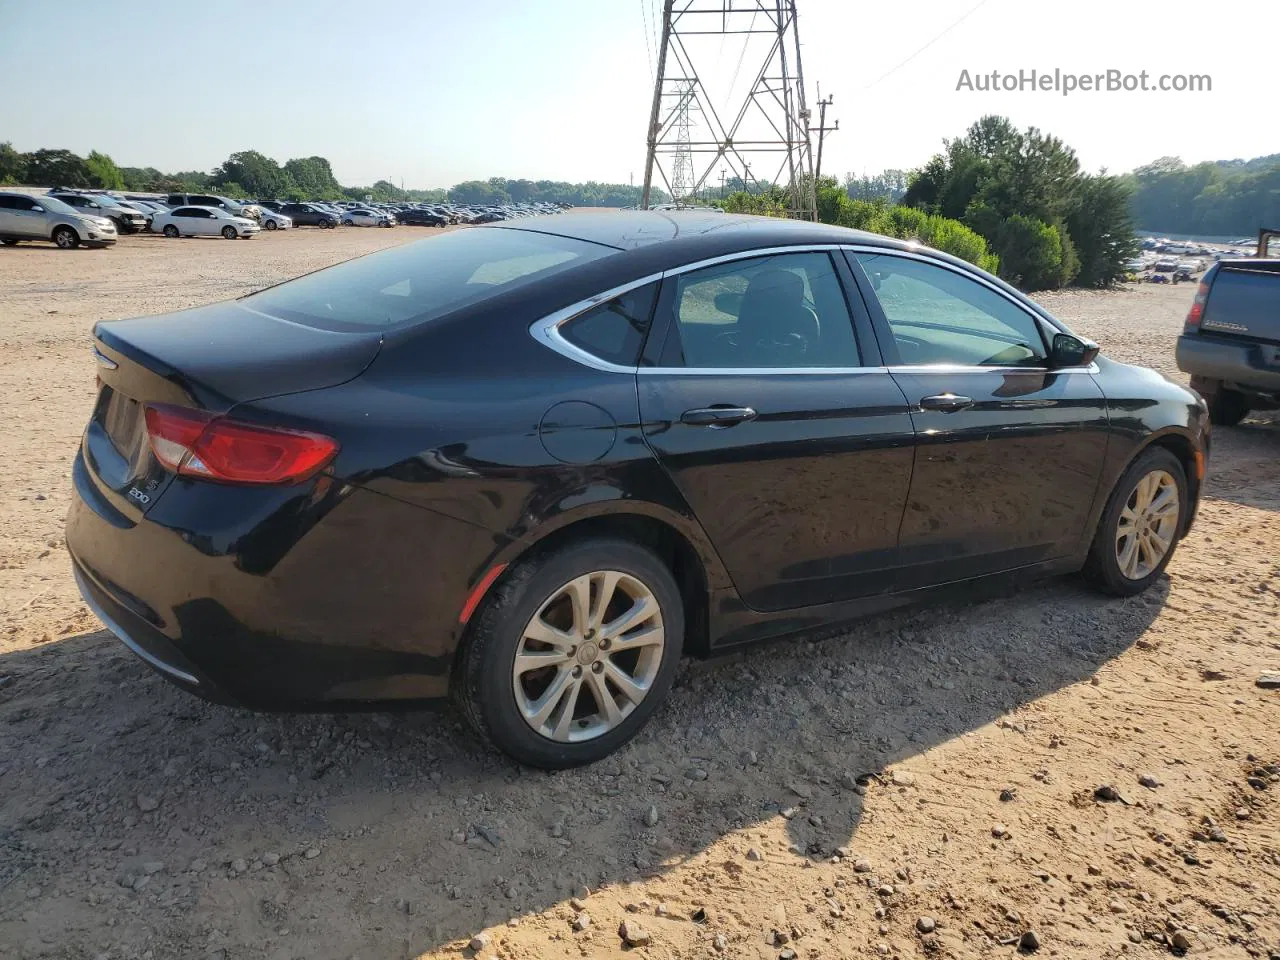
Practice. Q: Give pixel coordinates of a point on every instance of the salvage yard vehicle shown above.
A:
(1230, 344)
(24, 217)
(236, 207)
(126, 217)
(363, 217)
(271, 220)
(529, 466)
(309, 215)
(203, 222)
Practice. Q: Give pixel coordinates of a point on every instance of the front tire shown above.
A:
(348, 223)
(271, 225)
(66, 238)
(1141, 525)
(572, 653)
(229, 232)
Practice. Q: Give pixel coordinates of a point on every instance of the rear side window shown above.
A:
(614, 331)
(423, 280)
(1243, 298)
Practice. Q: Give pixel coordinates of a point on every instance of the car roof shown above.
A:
(632, 229)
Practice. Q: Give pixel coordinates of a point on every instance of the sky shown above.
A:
(432, 92)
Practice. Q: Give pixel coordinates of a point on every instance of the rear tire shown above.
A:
(1105, 567)
(170, 231)
(499, 704)
(1226, 407)
(66, 238)
(229, 232)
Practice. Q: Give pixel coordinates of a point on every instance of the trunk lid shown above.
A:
(210, 358)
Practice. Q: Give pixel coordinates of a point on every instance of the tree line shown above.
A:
(249, 173)
(1226, 198)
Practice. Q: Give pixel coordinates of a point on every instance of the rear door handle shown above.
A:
(946, 402)
(717, 416)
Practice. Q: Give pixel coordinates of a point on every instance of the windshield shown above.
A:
(54, 205)
(423, 280)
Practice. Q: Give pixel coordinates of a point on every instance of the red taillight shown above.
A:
(196, 444)
(1196, 312)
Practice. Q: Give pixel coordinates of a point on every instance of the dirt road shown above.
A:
(922, 785)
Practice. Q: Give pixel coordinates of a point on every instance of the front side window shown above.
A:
(940, 316)
(614, 331)
(777, 311)
(423, 280)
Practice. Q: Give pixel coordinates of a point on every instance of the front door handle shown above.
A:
(717, 416)
(946, 402)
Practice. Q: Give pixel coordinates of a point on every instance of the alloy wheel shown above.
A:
(589, 656)
(1147, 525)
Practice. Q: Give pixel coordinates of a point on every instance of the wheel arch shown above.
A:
(1180, 444)
(677, 541)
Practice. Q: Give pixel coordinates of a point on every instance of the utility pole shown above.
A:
(722, 179)
(771, 124)
(822, 129)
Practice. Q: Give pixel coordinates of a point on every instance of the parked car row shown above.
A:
(72, 217)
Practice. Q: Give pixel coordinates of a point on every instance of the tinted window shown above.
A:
(1245, 297)
(189, 212)
(938, 315)
(203, 201)
(177, 198)
(614, 331)
(74, 201)
(786, 310)
(17, 203)
(425, 279)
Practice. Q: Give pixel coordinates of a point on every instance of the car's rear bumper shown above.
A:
(279, 598)
(1237, 364)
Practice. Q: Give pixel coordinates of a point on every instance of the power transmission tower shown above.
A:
(769, 129)
(683, 184)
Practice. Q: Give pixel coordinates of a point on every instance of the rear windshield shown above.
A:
(1245, 297)
(423, 280)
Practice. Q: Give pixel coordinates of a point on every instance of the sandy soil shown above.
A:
(921, 785)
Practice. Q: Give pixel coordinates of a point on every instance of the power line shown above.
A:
(647, 47)
(952, 26)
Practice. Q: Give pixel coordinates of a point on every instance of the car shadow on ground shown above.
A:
(390, 834)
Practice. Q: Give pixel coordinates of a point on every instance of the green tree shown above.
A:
(256, 174)
(13, 165)
(312, 179)
(58, 168)
(477, 191)
(104, 171)
(1101, 226)
(1034, 255)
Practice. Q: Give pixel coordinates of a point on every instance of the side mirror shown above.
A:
(38, 209)
(1071, 351)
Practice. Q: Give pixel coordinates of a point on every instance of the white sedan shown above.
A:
(271, 220)
(203, 222)
(368, 218)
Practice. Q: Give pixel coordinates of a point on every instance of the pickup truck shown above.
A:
(1230, 343)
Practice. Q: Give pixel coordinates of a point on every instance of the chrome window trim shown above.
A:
(547, 330)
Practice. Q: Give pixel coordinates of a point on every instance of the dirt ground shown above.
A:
(921, 785)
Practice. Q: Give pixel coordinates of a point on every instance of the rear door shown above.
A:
(20, 218)
(766, 402)
(1008, 451)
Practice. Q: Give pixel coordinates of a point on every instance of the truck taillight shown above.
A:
(194, 443)
(1196, 313)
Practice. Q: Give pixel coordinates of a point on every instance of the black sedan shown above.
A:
(416, 217)
(530, 465)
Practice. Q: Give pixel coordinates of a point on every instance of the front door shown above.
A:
(1008, 451)
(782, 430)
